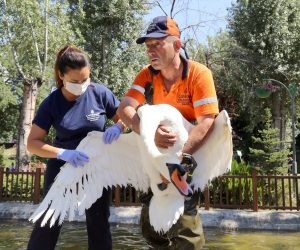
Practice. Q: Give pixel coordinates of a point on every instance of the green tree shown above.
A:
(31, 32)
(263, 43)
(269, 30)
(266, 153)
(2, 156)
(235, 75)
(9, 109)
(109, 29)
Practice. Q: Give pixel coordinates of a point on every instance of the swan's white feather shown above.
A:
(135, 160)
(215, 154)
(109, 165)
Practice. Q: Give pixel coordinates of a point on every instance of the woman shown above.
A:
(74, 109)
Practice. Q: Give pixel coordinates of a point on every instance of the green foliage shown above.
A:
(1, 156)
(240, 168)
(9, 156)
(234, 190)
(27, 26)
(263, 42)
(266, 153)
(9, 113)
(110, 28)
(31, 32)
(240, 189)
(235, 75)
(270, 29)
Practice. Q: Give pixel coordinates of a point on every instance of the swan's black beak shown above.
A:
(177, 172)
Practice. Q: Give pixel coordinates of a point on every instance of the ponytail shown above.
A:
(69, 57)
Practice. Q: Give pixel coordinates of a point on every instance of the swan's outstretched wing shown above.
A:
(135, 160)
(78, 188)
(215, 154)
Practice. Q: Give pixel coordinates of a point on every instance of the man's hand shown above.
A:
(164, 137)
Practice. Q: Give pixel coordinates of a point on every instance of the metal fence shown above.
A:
(21, 186)
(254, 192)
(228, 191)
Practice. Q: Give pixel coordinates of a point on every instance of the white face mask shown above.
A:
(76, 88)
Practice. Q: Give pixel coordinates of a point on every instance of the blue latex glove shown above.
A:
(74, 157)
(112, 133)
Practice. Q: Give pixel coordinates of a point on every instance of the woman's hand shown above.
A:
(112, 133)
(74, 157)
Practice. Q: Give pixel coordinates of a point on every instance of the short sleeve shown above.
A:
(43, 117)
(110, 102)
(137, 89)
(204, 96)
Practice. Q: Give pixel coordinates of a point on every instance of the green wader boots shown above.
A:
(186, 234)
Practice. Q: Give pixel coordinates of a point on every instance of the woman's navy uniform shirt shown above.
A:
(73, 120)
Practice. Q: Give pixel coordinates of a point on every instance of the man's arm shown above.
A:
(127, 113)
(198, 133)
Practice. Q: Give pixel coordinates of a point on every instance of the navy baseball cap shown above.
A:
(161, 26)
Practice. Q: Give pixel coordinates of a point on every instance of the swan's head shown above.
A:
(177, 173)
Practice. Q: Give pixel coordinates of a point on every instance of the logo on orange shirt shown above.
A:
(184, 98)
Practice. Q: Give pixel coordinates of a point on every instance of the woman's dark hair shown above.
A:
(69, 57)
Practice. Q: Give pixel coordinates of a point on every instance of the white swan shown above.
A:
(135, 160)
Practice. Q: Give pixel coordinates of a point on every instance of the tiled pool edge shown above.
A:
(219, 218)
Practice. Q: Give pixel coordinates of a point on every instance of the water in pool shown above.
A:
(14, 235)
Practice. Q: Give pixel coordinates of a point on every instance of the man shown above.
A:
(189, 87)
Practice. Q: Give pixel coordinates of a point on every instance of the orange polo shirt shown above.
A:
(193, 94)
